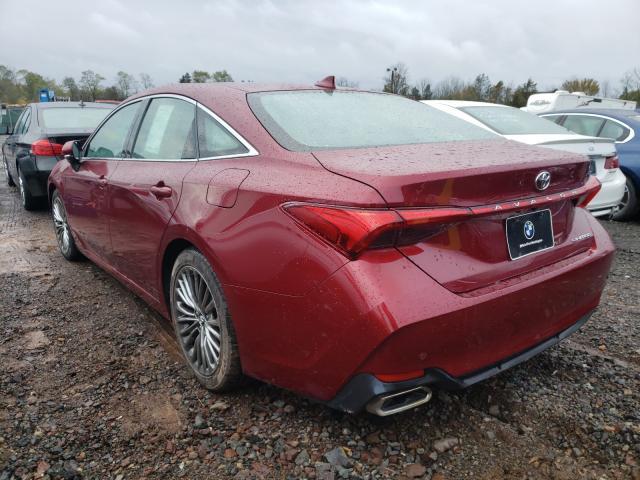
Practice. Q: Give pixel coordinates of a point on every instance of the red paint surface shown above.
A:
(308, 318)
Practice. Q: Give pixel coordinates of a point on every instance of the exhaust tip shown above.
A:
(397, 402)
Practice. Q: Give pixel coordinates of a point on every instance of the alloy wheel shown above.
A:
(625, 198)
(23, 194)
(198, 325)
(63, 235)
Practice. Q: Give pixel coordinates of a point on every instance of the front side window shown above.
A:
(512, 121)
(214, 140)
(583, 124)
(305, 120)
(614, 131)
(109, 141)
(167, 131)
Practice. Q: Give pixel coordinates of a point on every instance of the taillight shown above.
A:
(44, 148)
(353, 230)
(612, 162)
(593, 186)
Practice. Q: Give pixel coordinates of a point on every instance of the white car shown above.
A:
(514, 124)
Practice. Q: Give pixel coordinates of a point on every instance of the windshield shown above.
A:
(81, 118)
(512, 121)
(307, 120)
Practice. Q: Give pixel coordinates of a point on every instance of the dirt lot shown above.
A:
(91, 386)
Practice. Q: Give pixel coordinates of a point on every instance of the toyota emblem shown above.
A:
(543, 180)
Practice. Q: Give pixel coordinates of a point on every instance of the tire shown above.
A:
(202, 321)
(66, 243)
(629, 206)
(29, 202)
(10, 181)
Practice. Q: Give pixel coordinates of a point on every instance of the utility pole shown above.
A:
(393, 71)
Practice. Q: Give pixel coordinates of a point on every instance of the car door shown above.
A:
(146, 187)
(86, 188)
(12, 148)
(8, 149)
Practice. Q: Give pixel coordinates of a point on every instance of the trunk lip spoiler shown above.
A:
(591, 184)
(538, 201)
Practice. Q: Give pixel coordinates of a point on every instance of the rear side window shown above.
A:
(20, 122)
(512, 121)
(614, 130)
(26, 122)
(553, 118)
(109, 141)
(583, 124)
(214, 140)
(80, 118)
(167, 131)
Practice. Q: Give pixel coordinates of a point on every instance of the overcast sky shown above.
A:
(302, 41)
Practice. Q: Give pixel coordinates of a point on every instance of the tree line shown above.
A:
(482, 89)
(23, 86)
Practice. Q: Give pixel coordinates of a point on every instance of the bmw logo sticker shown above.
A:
(529, 230)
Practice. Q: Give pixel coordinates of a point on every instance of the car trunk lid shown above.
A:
(495, 180)
(456, 173)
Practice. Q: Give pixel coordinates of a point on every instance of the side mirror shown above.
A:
(72, 152)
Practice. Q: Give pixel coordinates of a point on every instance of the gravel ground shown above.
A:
(92, 386)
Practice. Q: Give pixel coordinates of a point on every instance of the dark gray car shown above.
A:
(35, 143)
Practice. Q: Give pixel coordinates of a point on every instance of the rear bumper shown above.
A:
(364, 387)
(36, 173)
(383, 315)
(610, 194)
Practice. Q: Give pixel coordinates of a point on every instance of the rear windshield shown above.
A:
(307, 120)
(81, 118)
(512, 121)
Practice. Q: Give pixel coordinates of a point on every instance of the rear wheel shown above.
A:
(202, 323)
(63, 233)
(29, 202)
(10, 181)
(629, 206)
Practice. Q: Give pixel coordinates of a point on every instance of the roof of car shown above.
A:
(614, 112)
(73, 105)
(204, 91)
(462, 103)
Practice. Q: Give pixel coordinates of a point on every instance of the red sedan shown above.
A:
(356, 247)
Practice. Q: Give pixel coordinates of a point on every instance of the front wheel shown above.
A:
(629, 206)
(66, 243)
(203, 324)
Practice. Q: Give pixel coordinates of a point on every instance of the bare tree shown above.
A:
(396, 80)
(449, 88)
(424, 86)
(90, 84)
(345, 82)
(126, 84)
(146, 81)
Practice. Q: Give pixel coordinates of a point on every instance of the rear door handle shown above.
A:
(161, 191)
